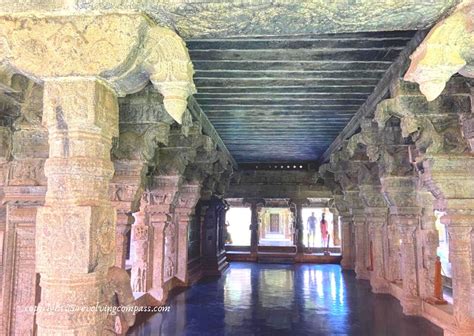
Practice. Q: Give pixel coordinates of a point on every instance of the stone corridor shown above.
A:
(269, 299)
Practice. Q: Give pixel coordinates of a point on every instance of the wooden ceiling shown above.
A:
(286, 98)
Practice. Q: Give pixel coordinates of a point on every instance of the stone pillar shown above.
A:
(214, 262)
(189, 194)
(76, 226)
(405, 213)
(361, 233)
(298, 222)
(347, 257)
(140, 254)
(407, 220)
(377, 221)
(160, 208)
(346, 232)
(75, 234)
(22, 191)
(335, 231)
(459, 220)
(376, 212)
(254, 229)
(428, 242)
(122, 230)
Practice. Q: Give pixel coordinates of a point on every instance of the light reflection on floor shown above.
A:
(260, 299)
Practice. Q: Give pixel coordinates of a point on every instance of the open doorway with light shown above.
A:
(238, 219)
(319, 229)
(276, 227)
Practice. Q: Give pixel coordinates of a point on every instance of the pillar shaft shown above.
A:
(347, 242)
(407, 220)
(76, 227)
(377, 220)
(299, 225)
(460, 229)
(360, 227)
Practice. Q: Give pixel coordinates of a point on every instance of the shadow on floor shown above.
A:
(270, 299)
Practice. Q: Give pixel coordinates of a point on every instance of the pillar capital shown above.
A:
(446, 50)
(125, 50)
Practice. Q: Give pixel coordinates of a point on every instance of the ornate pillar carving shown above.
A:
(189, 194)
(78, 170)
(141, 131)
(376, 213)
(428, 242)
(460, 232)
(345, 164)
(75, 234)
(347, 261)
(405, 213)
(141, 235)
(447, 50)
(439, 155)
(24, 149)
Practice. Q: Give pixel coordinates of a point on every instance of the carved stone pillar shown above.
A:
(347, 261)
(407, 220)
(254, 229)
(75, 234)
(76, 227)
(460, 232)
(22, 191)
(255, 207)
(214, 262)
(428, 242)
(160, 209)
(141, 237)
(360, 233)
(377, 221)
(188, 197)
(405, 213)
(335, 231)
(298, 218)
(376, 212)
(346, 232)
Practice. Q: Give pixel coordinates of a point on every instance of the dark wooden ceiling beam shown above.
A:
(367, 89)
(297, 75)
(301, 65)
(305, 43)
(296, 54)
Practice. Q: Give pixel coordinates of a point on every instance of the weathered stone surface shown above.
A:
(233, 18)
(447, 50)
(104, 45)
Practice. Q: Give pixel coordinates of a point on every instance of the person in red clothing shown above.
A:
(324, 230)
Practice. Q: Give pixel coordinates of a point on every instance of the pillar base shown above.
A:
(379, 286)
(411, 306)
(215, 266)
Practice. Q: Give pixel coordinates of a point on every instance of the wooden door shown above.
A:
(274, 223)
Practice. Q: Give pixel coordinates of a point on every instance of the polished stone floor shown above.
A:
(300, 299)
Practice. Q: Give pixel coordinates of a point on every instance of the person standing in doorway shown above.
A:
(311, 227)
(324, 230)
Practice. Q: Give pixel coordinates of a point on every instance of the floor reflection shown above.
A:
(258, 299)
